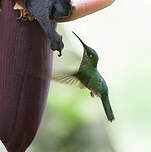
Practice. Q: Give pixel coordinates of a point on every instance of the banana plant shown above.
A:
(25, 50)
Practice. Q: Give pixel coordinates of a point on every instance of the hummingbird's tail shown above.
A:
(107, 108)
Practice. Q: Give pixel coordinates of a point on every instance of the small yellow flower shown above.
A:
(24, 14)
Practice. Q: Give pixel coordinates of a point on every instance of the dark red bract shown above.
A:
(23, 93)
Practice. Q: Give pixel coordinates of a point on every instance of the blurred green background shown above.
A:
(75, 122)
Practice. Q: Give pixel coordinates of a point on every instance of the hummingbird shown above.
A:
(88, 76)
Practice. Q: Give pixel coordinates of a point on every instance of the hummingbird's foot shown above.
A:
(92, 95)
(24, 14)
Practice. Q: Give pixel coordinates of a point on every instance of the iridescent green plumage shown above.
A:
(89, 77)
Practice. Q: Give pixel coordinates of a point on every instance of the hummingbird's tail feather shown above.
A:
(108, 109)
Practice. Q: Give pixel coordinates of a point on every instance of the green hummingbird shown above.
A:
(88, 77)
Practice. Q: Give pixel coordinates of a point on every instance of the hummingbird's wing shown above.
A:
(68, 79)
(64, 78)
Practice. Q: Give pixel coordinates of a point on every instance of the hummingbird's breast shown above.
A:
(97, 84)
(85, 75)
(84, 78)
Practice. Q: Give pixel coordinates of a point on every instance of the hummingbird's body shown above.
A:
(90, 78)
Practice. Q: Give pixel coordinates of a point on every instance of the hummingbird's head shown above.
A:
(90, 56)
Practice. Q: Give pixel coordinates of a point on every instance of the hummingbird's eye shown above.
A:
(90, 55)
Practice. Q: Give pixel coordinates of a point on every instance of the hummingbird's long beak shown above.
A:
(84, 45)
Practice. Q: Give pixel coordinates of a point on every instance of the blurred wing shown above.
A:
(68, 79)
